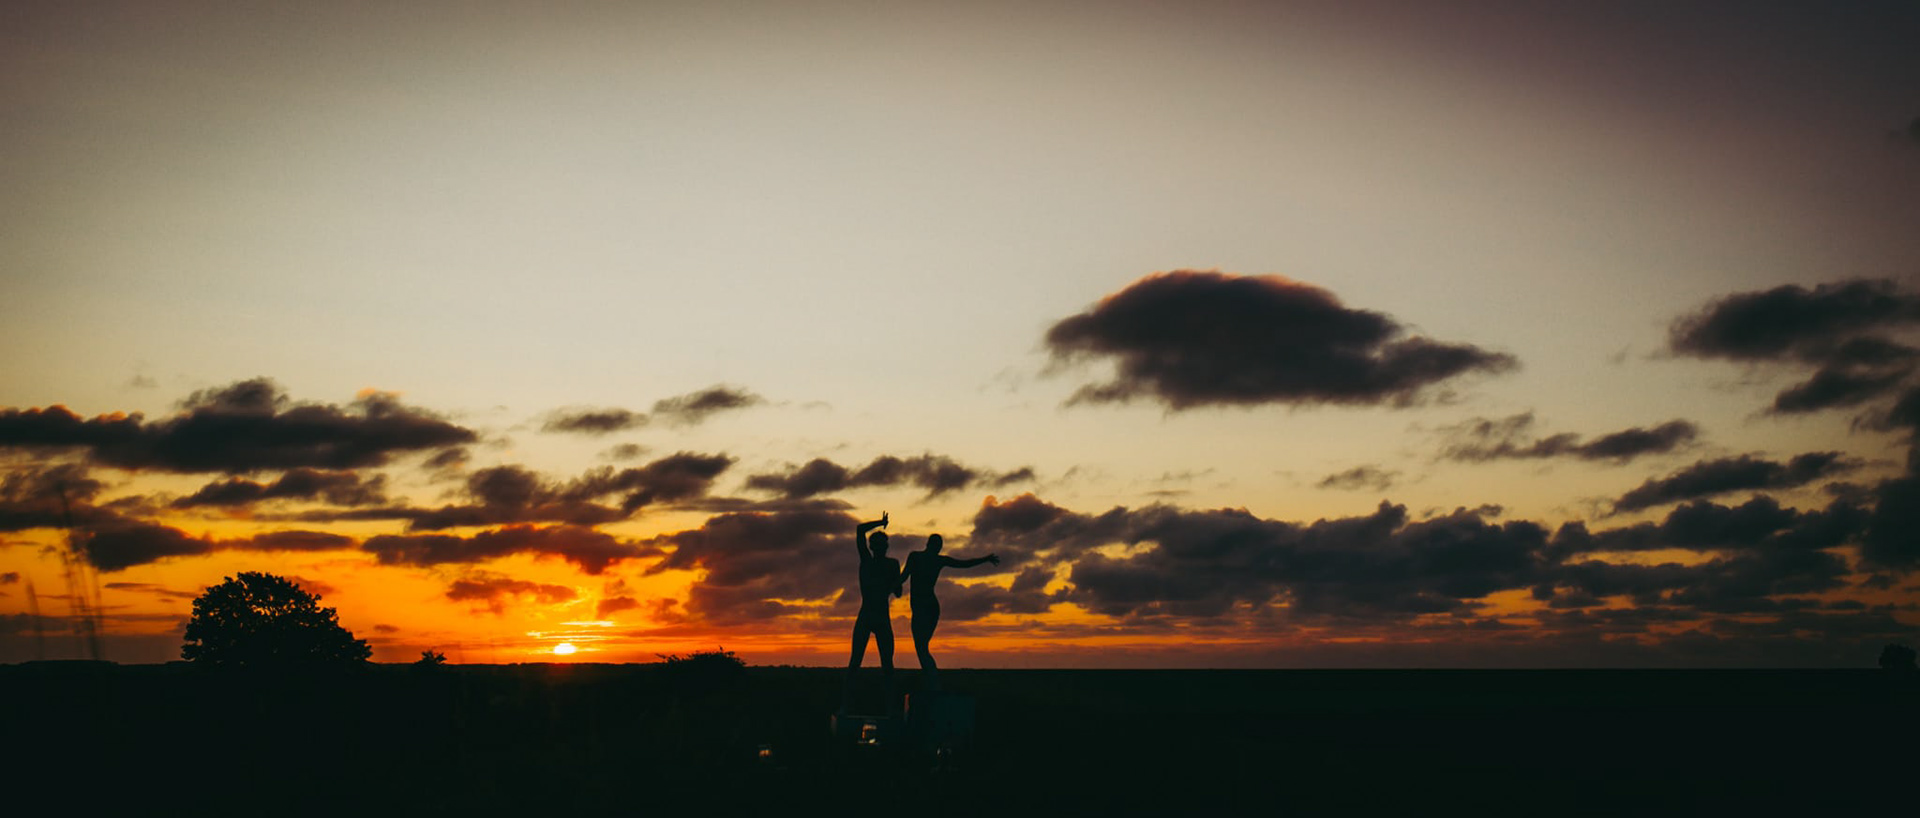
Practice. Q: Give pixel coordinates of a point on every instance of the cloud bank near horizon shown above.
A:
(1755, 570)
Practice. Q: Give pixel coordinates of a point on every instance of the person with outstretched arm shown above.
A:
(879, 577)
(923, 567)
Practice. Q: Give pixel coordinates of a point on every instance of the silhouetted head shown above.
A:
(933, 543)
(878, 542)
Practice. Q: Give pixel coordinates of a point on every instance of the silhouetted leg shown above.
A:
(861, 630)
(924, 621)
(883, 639)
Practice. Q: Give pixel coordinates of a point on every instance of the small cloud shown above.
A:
(624, 451)
(593, 421)
(938, 474)
(696, 407)
(495, 591)
(1371, 478)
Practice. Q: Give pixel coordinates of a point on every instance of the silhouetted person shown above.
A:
(879, 576)
(923, 567)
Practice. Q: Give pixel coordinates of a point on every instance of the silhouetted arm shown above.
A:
(905, 572)
(860, 535)
(954, 563)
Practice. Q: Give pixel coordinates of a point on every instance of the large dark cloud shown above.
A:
(46, 496)
(126, 543)
(1207, 564)
(681, 476)
(592, 551)
(512, 494)
(1791, 321)
(1231, 566)
(340, 488)
(1709, 478)
(938, 474)
(508, 494)
(1190, 339)
(1511, 438)
(1837, 328)
(1702, 525)
(1892, 539)
(760, 565)
(246, 427)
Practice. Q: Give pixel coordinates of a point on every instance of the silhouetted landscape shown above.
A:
(643, 739)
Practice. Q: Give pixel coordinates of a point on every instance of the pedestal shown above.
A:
(940, 720)
(865, 731)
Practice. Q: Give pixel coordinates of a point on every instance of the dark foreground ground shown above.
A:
(652, 740)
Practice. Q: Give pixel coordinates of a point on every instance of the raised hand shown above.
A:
(883, 519)
(993, 558)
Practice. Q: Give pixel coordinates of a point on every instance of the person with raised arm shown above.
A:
(923, 567)
(879, 577)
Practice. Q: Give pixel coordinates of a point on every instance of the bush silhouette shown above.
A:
(704, 671)
(261, 620)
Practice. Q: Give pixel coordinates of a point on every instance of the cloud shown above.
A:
(613, 605)
(625, 451)
(681, 476)
(1359, 478)
(1201, 564)
(1833, 327)
(1838, 385)
(1791, 321)
(1708, 478)
(690, 409)
(938, 474)
(1892, 538)
(1230, 566)
(1191, 339)
(593, 421)
(508, 494)
(1510, 438)
(592, 551)
(340, 488)
(46, 496)
(1759, 524)
(696, 407)
(511, 494)
(495, 591)
(127, 543)
(760, 565)
(245, 427)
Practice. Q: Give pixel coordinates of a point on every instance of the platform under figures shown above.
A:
(938, 720)
(866, 730)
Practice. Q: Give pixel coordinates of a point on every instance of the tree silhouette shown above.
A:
(261, 620)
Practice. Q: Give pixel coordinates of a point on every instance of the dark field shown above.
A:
(645, 740)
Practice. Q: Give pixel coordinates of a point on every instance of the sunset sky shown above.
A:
(1284, 334)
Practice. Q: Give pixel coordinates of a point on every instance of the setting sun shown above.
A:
(564, 649)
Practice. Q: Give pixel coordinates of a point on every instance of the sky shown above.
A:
(1290, 334)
